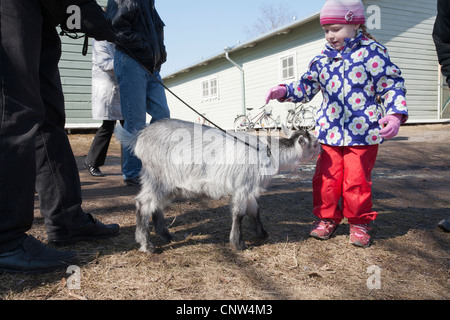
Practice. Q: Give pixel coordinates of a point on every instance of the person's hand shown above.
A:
(93, 22)
(390, 125)
(277, 92)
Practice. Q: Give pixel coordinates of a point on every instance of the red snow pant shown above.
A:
(344, 173)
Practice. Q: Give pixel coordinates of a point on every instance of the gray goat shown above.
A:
(186, 159)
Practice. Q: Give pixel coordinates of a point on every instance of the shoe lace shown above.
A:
(362, 228)
(324, 223)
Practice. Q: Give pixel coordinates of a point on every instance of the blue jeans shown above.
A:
(140, 94)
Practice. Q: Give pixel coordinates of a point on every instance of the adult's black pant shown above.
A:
(99, 149)
(35, 152)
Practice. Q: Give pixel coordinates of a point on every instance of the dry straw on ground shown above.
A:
(410, 193)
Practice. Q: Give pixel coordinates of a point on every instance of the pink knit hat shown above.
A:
(342, 12)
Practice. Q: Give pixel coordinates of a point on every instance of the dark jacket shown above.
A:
(139, 31)
(441, 37)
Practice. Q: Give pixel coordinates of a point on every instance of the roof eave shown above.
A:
(247, 44)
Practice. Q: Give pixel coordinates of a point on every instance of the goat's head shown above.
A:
(303, 142)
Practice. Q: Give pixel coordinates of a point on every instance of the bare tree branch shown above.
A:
(272, 16)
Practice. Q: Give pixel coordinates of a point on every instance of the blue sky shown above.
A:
(201, 28)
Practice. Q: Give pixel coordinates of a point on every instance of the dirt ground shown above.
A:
(408, 260)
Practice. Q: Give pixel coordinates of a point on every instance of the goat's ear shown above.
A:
(288, 132)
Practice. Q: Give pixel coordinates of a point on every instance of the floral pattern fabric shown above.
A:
(349, 81)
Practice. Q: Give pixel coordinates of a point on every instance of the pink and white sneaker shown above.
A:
(359, 235)
(323, 229)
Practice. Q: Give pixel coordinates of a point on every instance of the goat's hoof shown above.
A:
(241, 246)
(148, 249)
(167, 237)
(263, 235)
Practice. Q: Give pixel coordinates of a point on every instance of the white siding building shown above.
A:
(76, 72)
(220, 88)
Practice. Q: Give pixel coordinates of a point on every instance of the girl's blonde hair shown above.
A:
(363, 28)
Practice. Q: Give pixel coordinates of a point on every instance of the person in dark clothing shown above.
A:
(35, 152)
(139, 50)
(441, 37)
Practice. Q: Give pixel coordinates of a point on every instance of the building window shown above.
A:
(287, 67)
(210, 89)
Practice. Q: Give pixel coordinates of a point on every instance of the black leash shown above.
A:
(128, 52)
(74, 35)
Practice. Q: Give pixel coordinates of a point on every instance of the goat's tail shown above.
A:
(127, 139)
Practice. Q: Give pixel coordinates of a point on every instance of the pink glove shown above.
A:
(392, 122)
(277, 92)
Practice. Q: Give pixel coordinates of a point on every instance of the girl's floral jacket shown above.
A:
(349, 81)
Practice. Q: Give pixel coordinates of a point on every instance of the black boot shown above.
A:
(94, 171)
(93, 230)
(33, 257)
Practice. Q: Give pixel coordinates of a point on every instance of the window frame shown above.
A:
(283, 58)
(212, 92)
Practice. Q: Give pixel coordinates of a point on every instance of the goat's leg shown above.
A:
(160, 225)
(238, 210)
(143, 228)
(253, 213)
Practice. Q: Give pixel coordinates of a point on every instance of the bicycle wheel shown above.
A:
(290, 120)
(268, 123)
(242, 123)
(304, 119)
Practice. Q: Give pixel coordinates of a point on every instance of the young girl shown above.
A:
(351, 72)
